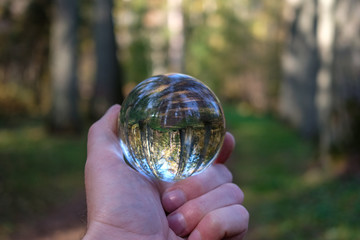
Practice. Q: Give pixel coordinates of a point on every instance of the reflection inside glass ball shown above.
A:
(171, 127)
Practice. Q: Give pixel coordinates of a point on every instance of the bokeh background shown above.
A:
(287, 73)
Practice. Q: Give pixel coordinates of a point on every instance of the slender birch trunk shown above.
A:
(63, 66)
(176, 36)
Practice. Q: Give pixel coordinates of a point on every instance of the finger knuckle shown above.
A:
(235, 192)
(193, 211)
(224, 172)
(214, 222)
(242, 211)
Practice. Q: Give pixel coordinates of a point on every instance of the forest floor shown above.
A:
(287, 193)
(41, 183)
(64, 222)
(288, 196)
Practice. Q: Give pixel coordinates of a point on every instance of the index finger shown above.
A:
(227, 148)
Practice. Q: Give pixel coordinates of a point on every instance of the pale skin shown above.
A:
(123, 204)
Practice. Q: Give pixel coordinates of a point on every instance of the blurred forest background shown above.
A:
(287, 73)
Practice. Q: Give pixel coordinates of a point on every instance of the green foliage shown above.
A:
(224, 40)
(286, 197)
(135, 54)
(216, 45)
(24, 50)
(138, 66)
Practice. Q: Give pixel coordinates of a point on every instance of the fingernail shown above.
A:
(173, 199)
(195, 235)
(177, 223)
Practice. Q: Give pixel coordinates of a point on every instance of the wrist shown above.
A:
(101, 231)
(98, 231)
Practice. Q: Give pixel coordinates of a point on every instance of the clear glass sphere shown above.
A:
(171, 127)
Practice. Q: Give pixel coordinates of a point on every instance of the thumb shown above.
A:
(104, 131)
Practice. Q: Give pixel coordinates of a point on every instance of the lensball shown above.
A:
(171, 127)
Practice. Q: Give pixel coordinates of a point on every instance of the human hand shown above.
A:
(124, 204)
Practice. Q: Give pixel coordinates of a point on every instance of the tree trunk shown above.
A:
(176, 36)
(332, 71)
(347, 71)
(300, 65)
(153, 23)
(108, 76)
(345, 117)
(63, 67)
(325, 43)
